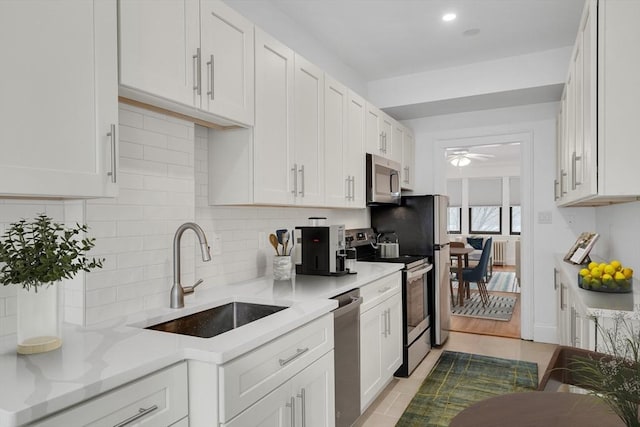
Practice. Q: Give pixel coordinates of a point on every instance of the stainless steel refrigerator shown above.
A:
(420, 223)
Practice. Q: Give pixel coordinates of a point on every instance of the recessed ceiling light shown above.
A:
(448, 17)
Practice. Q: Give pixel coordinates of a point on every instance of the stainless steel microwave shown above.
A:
(383, 181)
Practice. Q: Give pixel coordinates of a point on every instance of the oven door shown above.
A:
(416, 302)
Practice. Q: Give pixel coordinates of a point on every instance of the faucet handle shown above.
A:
(190, 289)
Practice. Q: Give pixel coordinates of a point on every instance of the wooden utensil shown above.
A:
(274, 242)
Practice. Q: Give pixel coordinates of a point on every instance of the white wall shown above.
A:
(619, 230)
(272, 20)
(546, 239)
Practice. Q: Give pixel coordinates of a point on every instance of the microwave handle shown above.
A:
(395, 192)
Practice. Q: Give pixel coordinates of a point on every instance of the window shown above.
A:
(454, 220)
(514, 220)
(485, 220)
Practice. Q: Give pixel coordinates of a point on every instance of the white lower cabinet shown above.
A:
(307, 399)
(380, 336)
(160, 399)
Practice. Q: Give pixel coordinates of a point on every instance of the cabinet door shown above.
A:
(314, 390)
(277, 409)
(374, 131)
(159, 46)
(386, 129)
(371, 328)
(408, 160)
(273, 129)
(308, 146)
(396, 141)
(338, 181)
(354, 151)
(588, 160)
(59, 98)
(227, 62)
(392, 342)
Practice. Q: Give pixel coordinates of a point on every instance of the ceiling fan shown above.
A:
(462, 157)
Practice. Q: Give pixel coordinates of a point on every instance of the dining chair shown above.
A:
(478, 273)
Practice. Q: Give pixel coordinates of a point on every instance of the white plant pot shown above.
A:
(39, 318)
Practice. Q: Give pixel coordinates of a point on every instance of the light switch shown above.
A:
(544, 217)
(216, 244)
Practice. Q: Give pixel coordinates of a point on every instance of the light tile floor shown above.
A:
(389, 406)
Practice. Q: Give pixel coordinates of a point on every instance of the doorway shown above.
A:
(485, 200)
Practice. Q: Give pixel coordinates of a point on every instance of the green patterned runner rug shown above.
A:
(459, 380)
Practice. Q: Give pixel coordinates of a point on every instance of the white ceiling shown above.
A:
(388, 38)
(504, 156)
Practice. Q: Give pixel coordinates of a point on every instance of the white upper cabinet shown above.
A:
(308, 133)
(273, 130)
(227, 62)
(59, 98)
(599, 115)
(375, 141)
(188, 56)
(392, 132)
(159, 47)
(408, 160)
(354, 149)
(344, 146)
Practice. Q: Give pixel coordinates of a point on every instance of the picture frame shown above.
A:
(579, 252)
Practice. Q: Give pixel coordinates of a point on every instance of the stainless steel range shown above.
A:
(416, 291)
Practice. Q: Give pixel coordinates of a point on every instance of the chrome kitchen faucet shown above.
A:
(177, 290)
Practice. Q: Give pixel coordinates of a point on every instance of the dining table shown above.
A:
(538, 408)
(462, 256)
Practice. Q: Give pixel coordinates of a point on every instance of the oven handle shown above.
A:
(416, 273)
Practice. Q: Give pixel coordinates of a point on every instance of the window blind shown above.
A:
(485, 192)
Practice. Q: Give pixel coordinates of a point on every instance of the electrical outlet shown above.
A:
(262, 239)
(216, 244)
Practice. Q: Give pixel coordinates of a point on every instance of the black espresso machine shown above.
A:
(321, 250)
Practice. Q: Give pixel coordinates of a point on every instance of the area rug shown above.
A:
(499, 307)
(501, 281)
(459, 380)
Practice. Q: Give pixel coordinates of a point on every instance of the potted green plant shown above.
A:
(36, 255)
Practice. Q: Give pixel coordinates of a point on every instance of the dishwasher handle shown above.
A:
(353, 305)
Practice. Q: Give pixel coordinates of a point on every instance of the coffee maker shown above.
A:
(321, 250)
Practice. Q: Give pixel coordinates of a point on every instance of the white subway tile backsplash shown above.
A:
(170, 157)
(130, 150)
(143, 137)
(102, 212)
(142, 167)
(99, 297)
(165, 127)
(130, 118)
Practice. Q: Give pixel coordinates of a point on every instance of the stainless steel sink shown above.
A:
(217, 320)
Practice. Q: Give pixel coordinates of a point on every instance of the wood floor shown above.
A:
(510, 329)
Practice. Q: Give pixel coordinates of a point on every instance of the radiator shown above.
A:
(500, 252)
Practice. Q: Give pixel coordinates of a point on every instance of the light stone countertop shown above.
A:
(601, 304)
(96, 359)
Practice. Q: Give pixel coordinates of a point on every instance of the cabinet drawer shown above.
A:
(159, 399)
(376, 292)
(250, 377)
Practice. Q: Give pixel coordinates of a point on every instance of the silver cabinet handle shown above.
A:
(301, 170)
(211, 75)
(555, 189)
(380, 142)
(197, 77)
(294, 169)
(385, 289)
(292, 405)
(388, 321)
(384, 322)
(347, 181)
(555, 279)
(353, 188)
(142, 412)
(299, 352)
(562, 304)
(573, 170)
(563, 175)
(303, 398)
(114, 155)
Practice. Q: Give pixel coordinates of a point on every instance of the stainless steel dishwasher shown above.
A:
(346, 339)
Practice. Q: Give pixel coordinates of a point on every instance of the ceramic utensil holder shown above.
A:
(282, 267)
